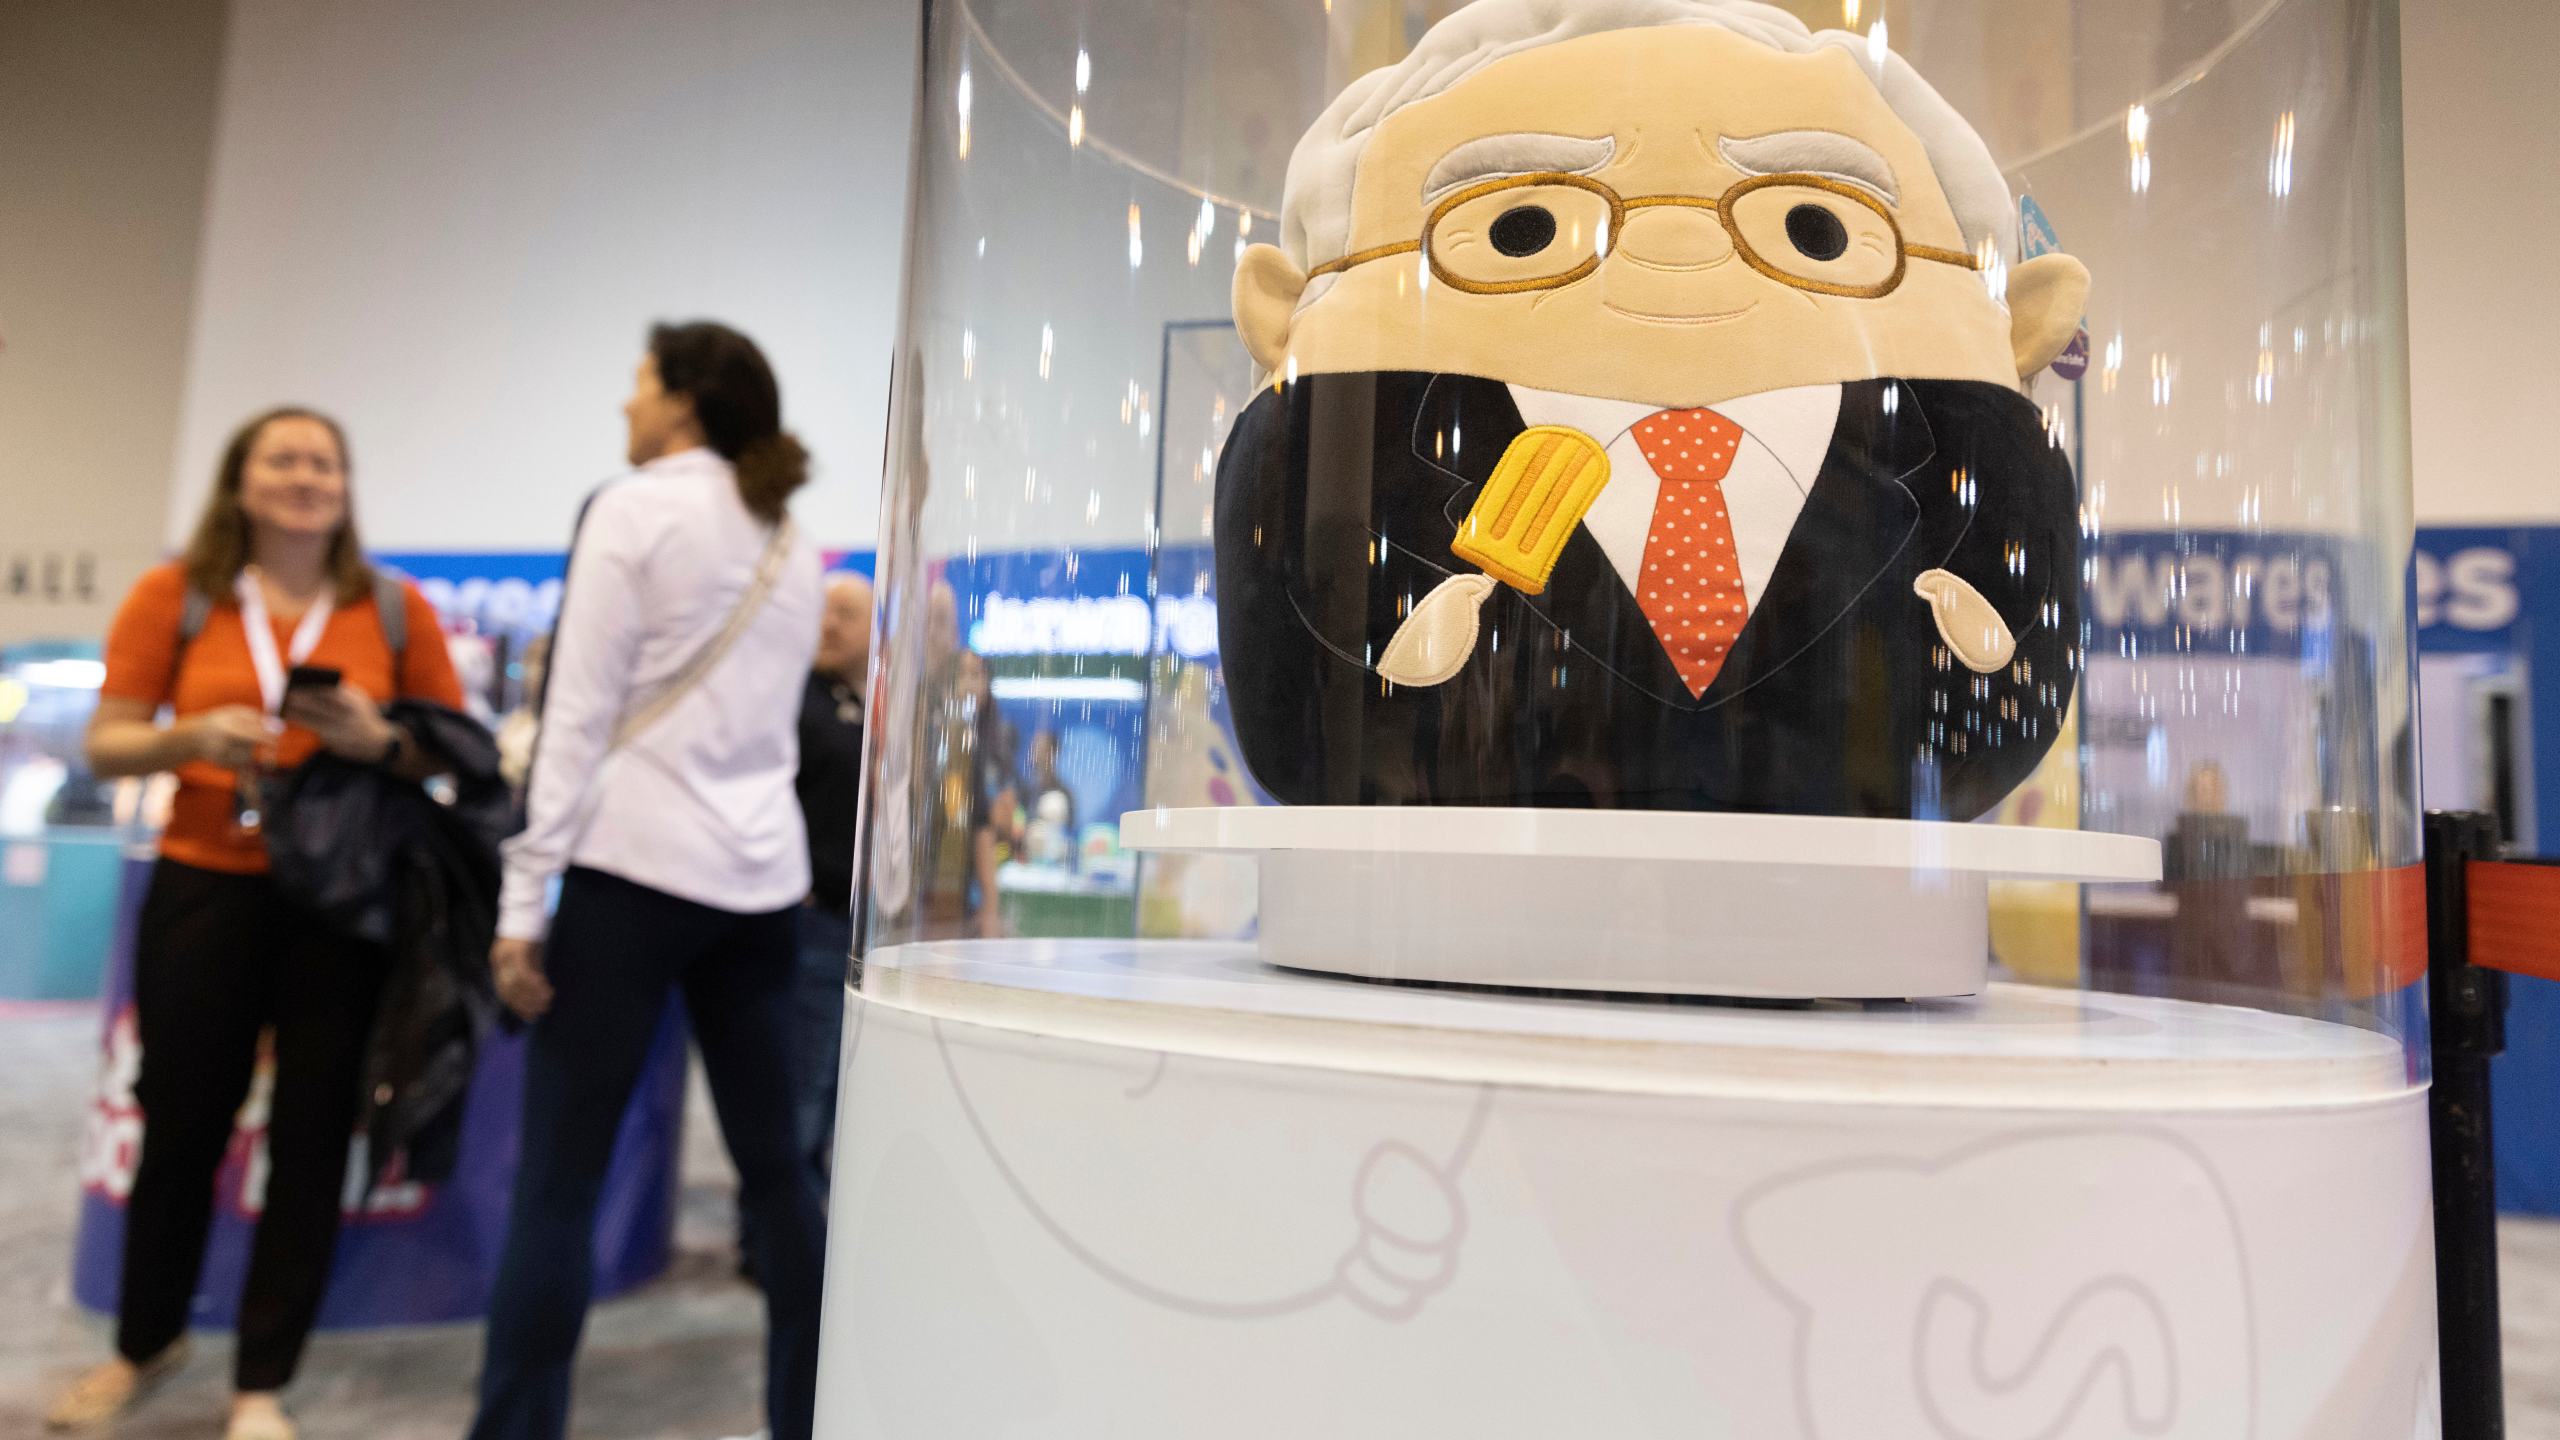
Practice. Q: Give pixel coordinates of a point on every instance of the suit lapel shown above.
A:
(1859, 516)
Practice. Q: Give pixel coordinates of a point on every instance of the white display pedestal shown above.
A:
(1161, 1191)
(1657, 902)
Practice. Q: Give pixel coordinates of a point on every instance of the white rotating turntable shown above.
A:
(1660, 902)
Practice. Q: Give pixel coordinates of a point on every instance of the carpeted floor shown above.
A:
(678, 1360)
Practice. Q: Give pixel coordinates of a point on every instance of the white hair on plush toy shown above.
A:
(1315, 213)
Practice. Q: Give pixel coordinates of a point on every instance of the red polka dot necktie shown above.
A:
(1691, 586)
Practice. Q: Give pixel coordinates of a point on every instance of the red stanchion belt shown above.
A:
(2515, 916)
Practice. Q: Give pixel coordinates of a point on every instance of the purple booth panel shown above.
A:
(415, 1254)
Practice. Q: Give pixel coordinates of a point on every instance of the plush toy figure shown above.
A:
(1644, 430)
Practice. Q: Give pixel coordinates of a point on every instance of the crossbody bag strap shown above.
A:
(777, 551)
(192, 615)
(391, 609)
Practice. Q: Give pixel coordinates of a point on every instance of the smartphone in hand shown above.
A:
(312, 677)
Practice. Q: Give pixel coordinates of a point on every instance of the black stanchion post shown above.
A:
(2467, 1009)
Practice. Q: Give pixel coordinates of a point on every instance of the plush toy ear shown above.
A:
(2047, 297)
(1267, 290)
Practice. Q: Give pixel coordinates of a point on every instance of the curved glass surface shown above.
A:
(1294, 402)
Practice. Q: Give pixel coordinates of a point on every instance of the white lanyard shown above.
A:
(262, 636)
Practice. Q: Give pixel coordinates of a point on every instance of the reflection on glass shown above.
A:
(2234, 412)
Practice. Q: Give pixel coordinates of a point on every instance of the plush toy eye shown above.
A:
(1523, 230)
(1817, 233)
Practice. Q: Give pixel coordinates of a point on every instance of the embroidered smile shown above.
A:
(1712, 317)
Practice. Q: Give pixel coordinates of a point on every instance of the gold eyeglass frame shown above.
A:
(1722, 207)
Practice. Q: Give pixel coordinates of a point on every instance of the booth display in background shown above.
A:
(2201, 643)
(413, 1254)
(75, 861)
(63, 832)
(2488, 610)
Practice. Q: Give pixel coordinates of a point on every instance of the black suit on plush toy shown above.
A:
(1747, 296)
(1339, 499)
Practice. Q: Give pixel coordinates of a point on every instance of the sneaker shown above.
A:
(108, 1390)
(264, 1423)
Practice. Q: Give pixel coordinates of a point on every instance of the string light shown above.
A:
(1075, 112)
(1072, 120)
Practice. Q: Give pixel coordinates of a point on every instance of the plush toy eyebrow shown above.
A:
(1497, 157)
(1826, 153)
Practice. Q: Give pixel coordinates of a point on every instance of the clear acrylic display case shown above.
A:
(2234, 415)
(2052, 861)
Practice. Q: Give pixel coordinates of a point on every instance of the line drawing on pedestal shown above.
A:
(1392, 1266)
(1986, 1295)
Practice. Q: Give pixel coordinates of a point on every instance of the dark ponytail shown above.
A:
(769, 470)
(739, 406)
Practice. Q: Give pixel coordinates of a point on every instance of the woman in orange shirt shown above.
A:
(220, 955)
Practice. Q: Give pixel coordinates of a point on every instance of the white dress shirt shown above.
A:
(1786, 434)
(700, 804)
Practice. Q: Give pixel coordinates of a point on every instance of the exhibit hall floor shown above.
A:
(677, 1360)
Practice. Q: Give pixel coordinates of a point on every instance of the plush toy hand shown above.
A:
(1435, 640)
(1530, 506)
(1966, 621)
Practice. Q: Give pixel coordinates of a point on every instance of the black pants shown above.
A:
(217, 959)
(616, 948)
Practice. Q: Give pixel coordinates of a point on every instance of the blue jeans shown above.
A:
(817, 1002)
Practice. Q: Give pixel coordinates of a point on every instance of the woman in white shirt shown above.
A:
(661, 800)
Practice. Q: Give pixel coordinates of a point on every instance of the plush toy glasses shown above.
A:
(1538, 232)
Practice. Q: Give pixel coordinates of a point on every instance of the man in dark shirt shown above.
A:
(831, 712)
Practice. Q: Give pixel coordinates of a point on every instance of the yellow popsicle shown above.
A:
(1546, 481)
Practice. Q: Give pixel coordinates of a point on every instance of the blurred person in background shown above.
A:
(1000, 756)
(1049, 827)
(661, 801)
(831, 717)
(520, 724)
(273, 586)
(964, 802)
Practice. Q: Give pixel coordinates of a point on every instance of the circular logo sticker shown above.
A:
(2073, 362)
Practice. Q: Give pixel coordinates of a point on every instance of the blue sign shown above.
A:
(2493, 593)
(1089, 602)
(513, 593)
(2212, 592)
(2469, 586)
